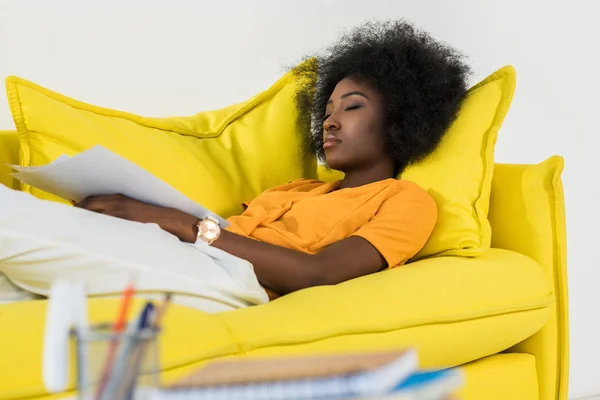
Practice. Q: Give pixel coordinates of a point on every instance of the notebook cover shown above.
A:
(238, 372)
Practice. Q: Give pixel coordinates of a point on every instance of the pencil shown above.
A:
(117, 328)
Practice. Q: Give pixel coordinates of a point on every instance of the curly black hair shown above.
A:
(423, 82)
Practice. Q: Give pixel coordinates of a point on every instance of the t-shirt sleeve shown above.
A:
(401, 226)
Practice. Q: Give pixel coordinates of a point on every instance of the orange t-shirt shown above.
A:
(395, 216)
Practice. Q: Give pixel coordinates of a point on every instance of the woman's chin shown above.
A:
(333, 163)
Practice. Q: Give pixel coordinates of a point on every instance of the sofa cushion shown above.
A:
(218, 158)
(500, 377)
(458, 174)
(452, 309)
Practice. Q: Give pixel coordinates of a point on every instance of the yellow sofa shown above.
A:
(502, 316)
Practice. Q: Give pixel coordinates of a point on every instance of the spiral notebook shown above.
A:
(299, 378)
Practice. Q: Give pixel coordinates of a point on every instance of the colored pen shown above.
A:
(117, 329)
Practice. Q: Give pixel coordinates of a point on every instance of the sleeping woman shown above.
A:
(385, 96)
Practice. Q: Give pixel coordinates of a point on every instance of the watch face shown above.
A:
(210, 230)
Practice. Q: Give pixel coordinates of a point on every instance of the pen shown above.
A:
(140, 352)
(123, 370)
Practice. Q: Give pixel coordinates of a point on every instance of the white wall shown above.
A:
(156, 59)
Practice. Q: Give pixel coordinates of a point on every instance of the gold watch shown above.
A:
(209, 230)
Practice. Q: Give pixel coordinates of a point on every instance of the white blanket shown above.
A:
(11, 293)
(42, 241)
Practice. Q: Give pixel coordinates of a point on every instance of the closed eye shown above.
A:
(354, 107)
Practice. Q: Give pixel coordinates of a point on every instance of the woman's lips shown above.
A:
(330, 142)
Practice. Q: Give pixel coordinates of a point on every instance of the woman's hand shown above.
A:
(171, 220)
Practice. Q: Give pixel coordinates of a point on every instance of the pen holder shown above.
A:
(117, 366)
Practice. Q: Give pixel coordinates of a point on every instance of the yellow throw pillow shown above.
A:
(217, 158)
(458, 174)
(221, 158)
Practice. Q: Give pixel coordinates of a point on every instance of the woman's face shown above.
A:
(354, 127)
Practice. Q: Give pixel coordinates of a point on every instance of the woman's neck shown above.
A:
(361, 177)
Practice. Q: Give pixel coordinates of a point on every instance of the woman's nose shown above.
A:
(331, 123)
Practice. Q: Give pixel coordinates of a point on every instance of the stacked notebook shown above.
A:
(367, 376)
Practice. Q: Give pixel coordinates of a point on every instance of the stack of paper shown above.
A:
(99, 171)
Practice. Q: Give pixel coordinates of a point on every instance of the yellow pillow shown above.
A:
(221, 158)
(218, 158)
(458, 174)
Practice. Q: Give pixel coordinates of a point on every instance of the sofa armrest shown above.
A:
(9, 154)
(451, 309)
(527, 215)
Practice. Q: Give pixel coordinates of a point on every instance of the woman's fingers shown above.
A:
(93, 203)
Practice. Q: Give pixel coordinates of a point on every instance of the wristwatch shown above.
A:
(209, 230)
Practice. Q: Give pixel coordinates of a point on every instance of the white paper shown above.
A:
(60, 159)
(98, 171)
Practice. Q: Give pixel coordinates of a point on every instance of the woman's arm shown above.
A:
(280, 269)
(284, 270)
